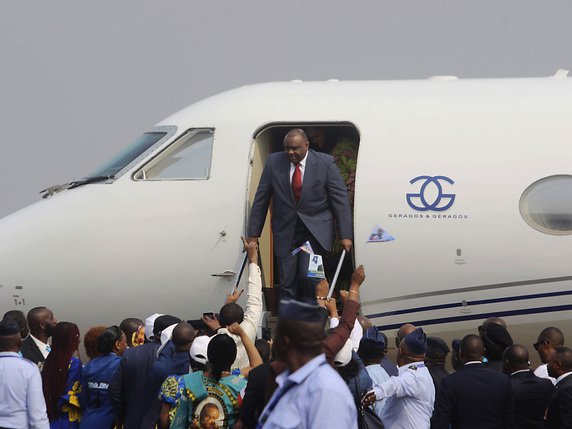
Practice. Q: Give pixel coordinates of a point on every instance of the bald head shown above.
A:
(403, 331)
(553, 335)
(296, 132)
(183, 336)
(471, 349)
(364, 322)
(548, 340)
(515, 358)
(560, 362)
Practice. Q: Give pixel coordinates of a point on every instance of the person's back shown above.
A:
(531, 396)
(475, 396)
(132, 396)
(95, 400)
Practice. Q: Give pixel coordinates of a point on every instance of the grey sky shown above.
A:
(80, 80)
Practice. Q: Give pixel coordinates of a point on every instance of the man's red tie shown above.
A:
(297, 183)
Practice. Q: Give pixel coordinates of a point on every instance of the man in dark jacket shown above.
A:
(530, 394)
(35, 347)
(475, 396)
(133, 391)
(309, 198)
(560, 409)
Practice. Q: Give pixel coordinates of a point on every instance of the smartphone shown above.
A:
(198, 325)
(210, 315)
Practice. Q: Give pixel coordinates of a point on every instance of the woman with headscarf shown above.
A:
(97, 411)
(61, 378)
(204, 399)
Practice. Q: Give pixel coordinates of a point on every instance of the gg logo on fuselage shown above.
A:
(441, 202)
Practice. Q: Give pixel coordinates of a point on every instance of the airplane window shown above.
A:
(123, 158)
(188, 158)
(546, 205)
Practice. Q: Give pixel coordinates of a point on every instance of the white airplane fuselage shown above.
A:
(134, 245)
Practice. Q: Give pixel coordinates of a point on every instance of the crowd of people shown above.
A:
(321, 369)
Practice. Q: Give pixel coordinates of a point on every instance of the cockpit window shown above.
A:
(188, 158)
(128, 155)
(546, 205)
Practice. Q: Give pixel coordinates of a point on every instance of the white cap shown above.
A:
(199, 349)
(344, 356)
(166, 335)
(149, 322)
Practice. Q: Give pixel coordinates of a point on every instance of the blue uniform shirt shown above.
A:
(22, 403)
(317, 398)
(97, 411)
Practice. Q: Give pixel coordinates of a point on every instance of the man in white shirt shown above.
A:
(548, 341)
(21, 398)
(249, 319)
(411, 395)
(41, 322)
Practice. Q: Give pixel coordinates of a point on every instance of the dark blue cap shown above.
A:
(497, 335)
(301, 311)
(437, 347)
(372, 334)
(416, 342)
(8, 326)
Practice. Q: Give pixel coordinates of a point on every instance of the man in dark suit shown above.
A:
(35, 347)
(530, 394)
(560, 409)
(133, 390)
(307, 193)
(475, 396)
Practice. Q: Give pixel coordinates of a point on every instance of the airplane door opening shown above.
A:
(339, 139)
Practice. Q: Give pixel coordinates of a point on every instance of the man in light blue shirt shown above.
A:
(371, 350)
(21, 398)
(310, 393)
(411, 395)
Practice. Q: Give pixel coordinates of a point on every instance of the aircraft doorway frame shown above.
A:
(268, 139)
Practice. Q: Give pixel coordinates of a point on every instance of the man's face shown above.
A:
(543, 348)
(121, 345)
(209, 416)
(49, 322)
(296, 148)
(553, 366)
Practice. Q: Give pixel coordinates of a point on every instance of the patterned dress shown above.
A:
(68, 403)
(199, 402)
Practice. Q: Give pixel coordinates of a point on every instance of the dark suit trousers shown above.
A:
(293, 269)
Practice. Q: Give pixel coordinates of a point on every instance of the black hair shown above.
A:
(221, 353)
(263, 348)
(107, 339)
(370, 350)
(230, 313)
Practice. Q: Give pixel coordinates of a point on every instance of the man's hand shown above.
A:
(346, 244)
(251, 248)
(233, 297)
(358, 276)
(322, 289)
(236, 329)
(368, 399)
(332, 307)
(211, 322)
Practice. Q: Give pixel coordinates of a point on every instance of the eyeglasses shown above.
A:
(540, 343)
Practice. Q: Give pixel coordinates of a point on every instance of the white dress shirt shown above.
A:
(44, 348)
(563, 376)
(22, 404)
(411, 397)
(542, 372)
(252, 316)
